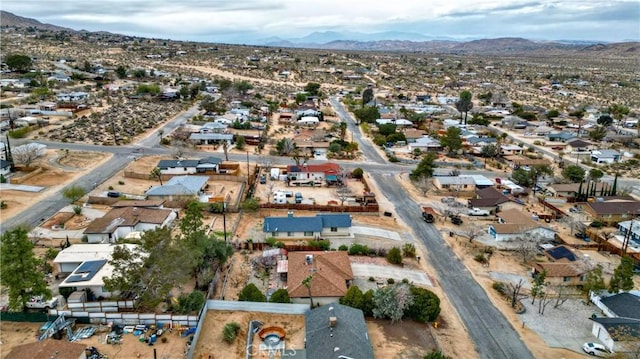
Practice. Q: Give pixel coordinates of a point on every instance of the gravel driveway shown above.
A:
(565, 327)
(379, 271)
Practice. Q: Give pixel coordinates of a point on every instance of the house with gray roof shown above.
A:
(605, 156)
(320, 226)
(560, 136)
(187, 167)
(337, 331)
(211, 138)
(179, 188)
(620, 329)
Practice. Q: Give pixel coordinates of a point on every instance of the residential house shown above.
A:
(570, 190)
(514, 224)
(314, 172)
(186, 167)
(507, 150)
(5, 167)
(211, 138)
(412, 134)
(612, 211)
(620, 329)
(629, 230)
(91, 267)
(47, 349)
(514, 122)
(119, 222)
(73, 97)
(425, 144)
(337, 331)
(217, 126)
(59, 77)
(493, 200)
(454, 183)
(180, 188)
(309, 228)
(516, 161)
(562, 273)
(578, 145)
(605, 156)
(560, 136)
(331, 276)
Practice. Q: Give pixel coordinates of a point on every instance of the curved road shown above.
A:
(491, 332)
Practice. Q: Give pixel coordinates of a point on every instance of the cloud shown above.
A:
(196, 19)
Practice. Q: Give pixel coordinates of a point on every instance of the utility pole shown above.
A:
(248, 173)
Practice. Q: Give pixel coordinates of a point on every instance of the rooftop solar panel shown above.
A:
(86, 271)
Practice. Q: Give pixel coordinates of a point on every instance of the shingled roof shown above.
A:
(126, 217)
(343, 336)
(330, 271)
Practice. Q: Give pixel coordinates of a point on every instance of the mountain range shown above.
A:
(397, 41)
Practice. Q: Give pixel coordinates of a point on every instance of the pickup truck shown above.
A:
(478, 212)
(37, 302)
(428, 214)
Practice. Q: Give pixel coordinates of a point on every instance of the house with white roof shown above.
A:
(88, 265)
(425, 144)
(605, 156)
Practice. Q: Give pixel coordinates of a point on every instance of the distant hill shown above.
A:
(13, 20)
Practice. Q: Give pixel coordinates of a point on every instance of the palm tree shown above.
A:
(307, 283)
(156, 174)
(464, 104)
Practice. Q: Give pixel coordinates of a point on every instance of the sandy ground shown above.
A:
(56, 174)
(12, 334)
(211, 344)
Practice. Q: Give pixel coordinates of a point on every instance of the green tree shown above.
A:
(240, 142)
(156, 174)
(574, 173)
(73, 193)
(387, 129)
(595, 174)
(598, 133)
(307, 283)
(425, 306)
(522, 177)
(605, 120)
(618, 112)
(367, 303)
(553, 113)
(394, 256)
(622, 279)
(425, 167)
(191, 221)
(392, 301)
(280, 296)
(312, 88)
(251, 293)
(121, 71)
(464, 104)
(224, 84)
(21, 276)
(343, 130)
(594, 281)
(357, 173)
(409, 250)
(353, 298)
(242, 87)
(367, 114)
(18, 62)
(301, 97)
(538, 171)
(537, 289)
(367, 96)
(451, 140)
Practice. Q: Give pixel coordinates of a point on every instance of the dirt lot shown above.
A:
(59, 168)
(12, 334)
(212, 345)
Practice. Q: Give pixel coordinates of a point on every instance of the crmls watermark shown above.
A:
(267, 351)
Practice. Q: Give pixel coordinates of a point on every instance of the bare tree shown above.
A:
(543, 302)
(179, 148)
(573, 223)
(269, 190)
(26, 153)
(515, 291)
(562, 295)
(527, 247)
(343, 193)
(472, 232)
(424, 184)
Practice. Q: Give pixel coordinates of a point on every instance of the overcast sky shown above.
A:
(250, 20)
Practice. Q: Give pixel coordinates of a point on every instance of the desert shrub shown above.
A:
(280, 296)
(230, 332)
(357, 173)
(394, 256)
(121, 183)
(343, 247)
(251, 293)
(357, 249)
(192, 302)
(323, 245)
(408, 250)
(77, 209)
(480, 258)
(391, 281)
(425, 306)
(500, 287)
(371, 279)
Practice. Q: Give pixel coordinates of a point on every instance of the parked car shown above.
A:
(595, 349)
(113, 194)
(478, 212)
(263, 179)
(298, 197)
(38, 302)
(582, 235)
(456, 220)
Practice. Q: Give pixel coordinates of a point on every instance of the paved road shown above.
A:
(491, 332)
